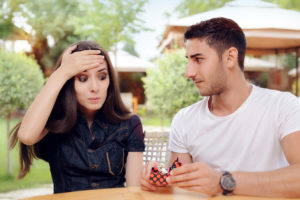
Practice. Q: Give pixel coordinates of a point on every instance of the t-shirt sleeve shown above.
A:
(40, 147)
(176, 138)
(135, 142)
(289, 115)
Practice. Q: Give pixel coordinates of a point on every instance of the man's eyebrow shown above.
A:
(194, 55)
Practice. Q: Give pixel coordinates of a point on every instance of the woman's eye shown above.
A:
(82, 78)
(102, 77)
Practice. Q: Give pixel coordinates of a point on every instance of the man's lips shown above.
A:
(197, 81)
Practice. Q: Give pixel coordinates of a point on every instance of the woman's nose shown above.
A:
(94, 86)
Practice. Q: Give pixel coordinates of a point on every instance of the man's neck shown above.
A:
(230, 99)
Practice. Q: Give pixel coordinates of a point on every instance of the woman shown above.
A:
(79, 124)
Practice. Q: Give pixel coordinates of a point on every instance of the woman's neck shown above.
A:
(89, 115)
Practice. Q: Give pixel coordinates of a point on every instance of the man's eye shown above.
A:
(82, 78)
(102, 77)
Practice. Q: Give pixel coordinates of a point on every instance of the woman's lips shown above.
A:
(94, 99)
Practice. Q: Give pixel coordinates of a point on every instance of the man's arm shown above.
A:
(184, 158)
(283, 182)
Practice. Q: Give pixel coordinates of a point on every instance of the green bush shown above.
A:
(20, 81)
(166, 87)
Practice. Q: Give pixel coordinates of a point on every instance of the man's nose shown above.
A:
(190, 71)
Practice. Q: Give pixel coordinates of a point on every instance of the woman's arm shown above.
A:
(32, 128)
(134, 168)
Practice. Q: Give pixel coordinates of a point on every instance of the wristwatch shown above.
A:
(227, 183)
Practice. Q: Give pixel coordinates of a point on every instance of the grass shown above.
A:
(153, 120)
(39, 173)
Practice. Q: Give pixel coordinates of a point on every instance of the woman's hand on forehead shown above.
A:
(74, 63)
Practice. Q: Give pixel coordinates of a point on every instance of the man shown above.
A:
(240, 139)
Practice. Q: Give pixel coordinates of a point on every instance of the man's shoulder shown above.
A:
(191, 109)
(274, 95)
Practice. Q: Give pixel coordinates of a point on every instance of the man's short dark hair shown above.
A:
(221, 34)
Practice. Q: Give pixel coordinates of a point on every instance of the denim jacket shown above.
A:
(91, 158)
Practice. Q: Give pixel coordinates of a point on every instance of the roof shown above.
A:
(126, 62)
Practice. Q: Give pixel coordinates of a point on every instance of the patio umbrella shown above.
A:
(268, 28)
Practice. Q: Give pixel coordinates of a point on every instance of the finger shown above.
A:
(92, 57)
(149, 167)
(96, 60)
(145, 184)
(184, 169)
(194, 175)
(70, 49)
(89, 52)
(88, 62)
(89, 66)
(187, 183)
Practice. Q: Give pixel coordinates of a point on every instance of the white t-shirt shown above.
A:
(246, 140)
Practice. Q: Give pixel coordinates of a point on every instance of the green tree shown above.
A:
(7, 28)
(48, 22)
(192, 7)
(288, 4)
(166, 87)
(50, 19)
(129, 47)
(20, 81)
(109, 21)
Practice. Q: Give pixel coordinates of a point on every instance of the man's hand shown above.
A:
(145, 177)
(196, 177)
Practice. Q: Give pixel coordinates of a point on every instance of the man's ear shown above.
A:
(230, 57)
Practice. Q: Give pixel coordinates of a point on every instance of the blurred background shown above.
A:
(144, 39)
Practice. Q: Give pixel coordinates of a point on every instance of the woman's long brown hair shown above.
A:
(64, 113)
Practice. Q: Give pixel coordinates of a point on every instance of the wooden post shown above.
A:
(9, 170)
(297, 65)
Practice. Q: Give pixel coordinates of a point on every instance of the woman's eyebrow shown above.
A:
(103, 69)
(100, 70)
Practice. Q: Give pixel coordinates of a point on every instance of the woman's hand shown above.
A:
(74, 63)
(145, 177)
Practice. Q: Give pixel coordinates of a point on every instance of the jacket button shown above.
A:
(91, 150)
(94, 166)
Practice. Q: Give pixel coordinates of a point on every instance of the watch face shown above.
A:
(227, 182)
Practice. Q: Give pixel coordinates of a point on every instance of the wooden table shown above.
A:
(135, 193)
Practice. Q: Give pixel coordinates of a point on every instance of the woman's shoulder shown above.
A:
(134, 120)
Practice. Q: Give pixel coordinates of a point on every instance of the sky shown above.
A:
(147, 42)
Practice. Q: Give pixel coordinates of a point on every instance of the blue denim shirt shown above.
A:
(91, 158)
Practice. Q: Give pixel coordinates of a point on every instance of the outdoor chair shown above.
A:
(156, 147)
